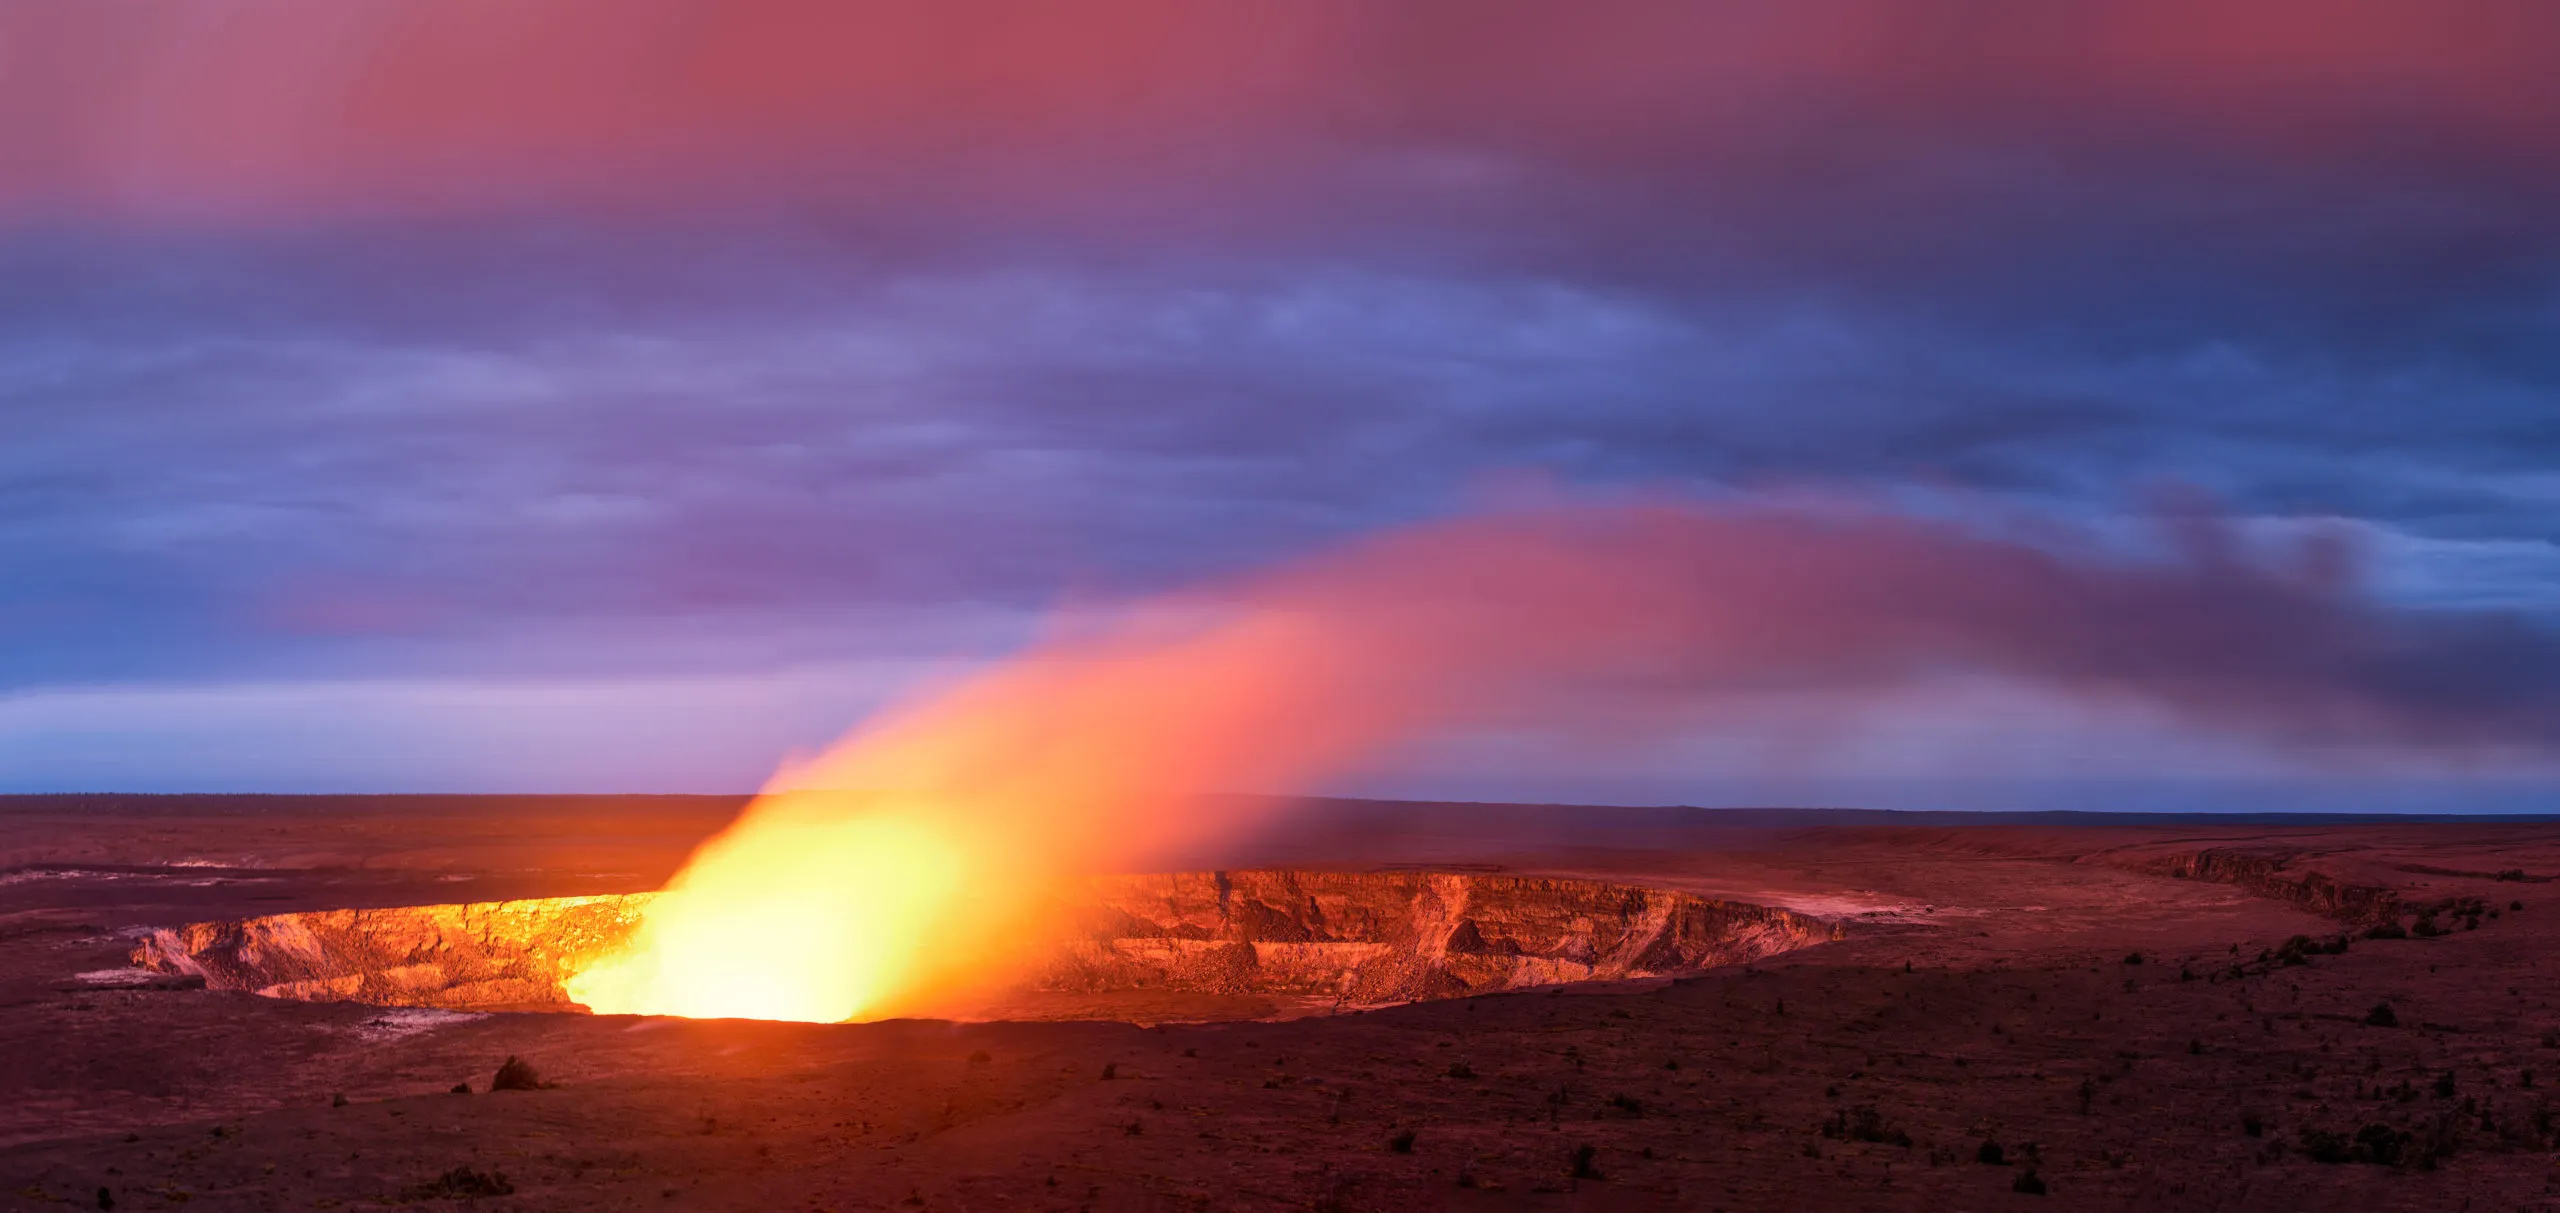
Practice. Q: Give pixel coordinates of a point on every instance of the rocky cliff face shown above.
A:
(481, 956)
(1344, 939)
(1369, 938)
(2274, 873)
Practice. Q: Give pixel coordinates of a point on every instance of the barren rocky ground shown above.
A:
(1981, 1031)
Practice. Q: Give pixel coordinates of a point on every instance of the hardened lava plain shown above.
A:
(1459, 1007)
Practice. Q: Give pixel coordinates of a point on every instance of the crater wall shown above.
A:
(1342, 939)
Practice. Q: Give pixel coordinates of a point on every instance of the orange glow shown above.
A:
(904, 871)
(796, 913)
(828, 905)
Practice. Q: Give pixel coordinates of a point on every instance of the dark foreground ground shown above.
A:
(1984, 995)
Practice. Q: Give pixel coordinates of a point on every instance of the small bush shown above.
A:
(1460, 1069)
(1628, 1104)
(2387, 929)
(460, 1183)
(2444, 1085)
(1402, 1142)
(1991, 1155)
(2382, 1016)
(2028, 1182)
(517, 1074)
(2133, 958)
(1864, 1123)
(2381, 1145)
(2252, 1125)
(1582, 1156)
(2323, 1145)
(1110, 1070)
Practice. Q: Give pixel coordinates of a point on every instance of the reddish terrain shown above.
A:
(1982, 992)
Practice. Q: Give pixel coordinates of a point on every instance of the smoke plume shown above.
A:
(928, 832)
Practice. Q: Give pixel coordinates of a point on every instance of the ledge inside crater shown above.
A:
(1201, 945)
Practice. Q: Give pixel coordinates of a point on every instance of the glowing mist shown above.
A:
(908, 864)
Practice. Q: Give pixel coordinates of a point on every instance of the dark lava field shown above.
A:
(1935, 1012)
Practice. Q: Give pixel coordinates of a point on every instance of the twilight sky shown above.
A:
(623, 394)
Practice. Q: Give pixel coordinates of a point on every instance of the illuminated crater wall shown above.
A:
(1300, 940)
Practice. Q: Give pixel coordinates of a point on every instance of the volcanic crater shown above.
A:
(1199, 945)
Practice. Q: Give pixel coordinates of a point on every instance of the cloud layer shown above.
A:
(658, 340)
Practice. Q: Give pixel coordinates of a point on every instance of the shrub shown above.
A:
(2433, 1143)
(1991, 1155)
(2382, 1016)
(2133, 958)
(2444, 1085)
(1582, 1156)
(460, 1183)
(1864, 1123)
(2323, 1145)
(2387, 929)
(2381, 1145)
(517, 1074)
(1460, 1069)
(2252, 1125)
(2027, 1182)
(1402, 1142)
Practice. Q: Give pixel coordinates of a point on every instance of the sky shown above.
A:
(575, 395)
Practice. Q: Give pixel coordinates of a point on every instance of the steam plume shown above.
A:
(1084, 753)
